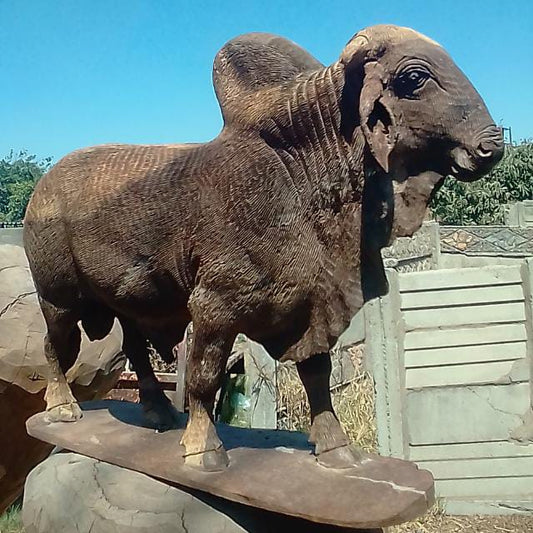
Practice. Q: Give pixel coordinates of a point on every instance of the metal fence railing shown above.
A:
(10, 225)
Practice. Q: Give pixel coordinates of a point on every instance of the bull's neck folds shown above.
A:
(322, 165)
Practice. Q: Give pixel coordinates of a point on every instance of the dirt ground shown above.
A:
(434, 522)
(438, 522)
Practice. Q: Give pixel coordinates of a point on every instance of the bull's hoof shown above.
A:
(211, 461)
(343, 457)
(163, 416)
(67, 412)
(158, 410)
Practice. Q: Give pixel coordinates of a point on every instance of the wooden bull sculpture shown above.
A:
(273, 229)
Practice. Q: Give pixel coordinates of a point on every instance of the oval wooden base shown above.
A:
(269, 469)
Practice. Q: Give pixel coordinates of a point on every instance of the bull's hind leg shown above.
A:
(156, 406)
(205, 371)
(332, 446)
(61, 347)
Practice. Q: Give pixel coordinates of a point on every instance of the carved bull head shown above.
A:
(409, 117)
(416, 105)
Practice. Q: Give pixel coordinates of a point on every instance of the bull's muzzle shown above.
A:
(471, 163)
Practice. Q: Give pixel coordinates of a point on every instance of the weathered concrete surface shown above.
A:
(11, 236)
(23, 371)
(524, 433)
(92, 496)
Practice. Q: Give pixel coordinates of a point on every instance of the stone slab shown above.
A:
(91, 496)
(269, 469)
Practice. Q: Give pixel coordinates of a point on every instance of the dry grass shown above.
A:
(437, 522)
(353, 402)
(358, 423)
(293, 409)
(432, 522)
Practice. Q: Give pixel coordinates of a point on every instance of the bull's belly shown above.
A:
(135, 291)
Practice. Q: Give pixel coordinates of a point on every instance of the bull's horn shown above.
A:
(372, 42)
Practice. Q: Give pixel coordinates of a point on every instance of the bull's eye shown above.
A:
(410, 81)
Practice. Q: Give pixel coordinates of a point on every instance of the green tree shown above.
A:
(483, 201)
(18, 175)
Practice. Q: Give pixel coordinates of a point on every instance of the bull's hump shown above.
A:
(256, 63)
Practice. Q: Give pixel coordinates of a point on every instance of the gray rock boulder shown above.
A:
(70, 492)
(22, 330)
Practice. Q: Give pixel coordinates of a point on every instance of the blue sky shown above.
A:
(76, 73)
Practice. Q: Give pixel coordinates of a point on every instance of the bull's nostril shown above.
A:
(485, 149)
(490, 144)
(471, 161)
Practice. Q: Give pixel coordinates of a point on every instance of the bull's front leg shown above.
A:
(206, 366)
(332, 446)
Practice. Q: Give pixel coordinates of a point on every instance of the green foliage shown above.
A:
(483, 202)
(10, 521)
(18, 175)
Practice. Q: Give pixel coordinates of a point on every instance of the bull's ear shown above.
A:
(376, 119)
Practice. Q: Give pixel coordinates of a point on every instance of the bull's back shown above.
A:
(95, 214)
(90, 177)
